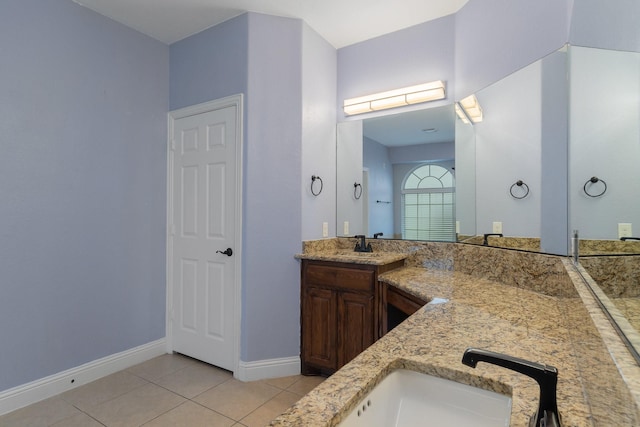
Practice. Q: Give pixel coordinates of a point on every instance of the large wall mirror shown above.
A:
(521, 159)
(495, 181)
(605, 144)
(397, 175)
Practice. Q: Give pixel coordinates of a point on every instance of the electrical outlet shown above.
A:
(325, 229)
(497, 227)
(624, 229)
(457, 227)
(345, 230)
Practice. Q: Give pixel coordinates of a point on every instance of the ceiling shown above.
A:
(340, 22)
(431, 125)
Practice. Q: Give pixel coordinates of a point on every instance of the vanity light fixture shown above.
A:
(461, 114)
(395, 98)
(468, 109)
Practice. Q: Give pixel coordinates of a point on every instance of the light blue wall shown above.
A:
(318, 133)
(604, 130)
(415, 55)
(604, 141)
(210, 65)
(508, 149)
(350, 211)
(272, 198)
(376, 160)
(554, 154)
(83, 184)
(494, 38)
(612, 24)
(465, 164)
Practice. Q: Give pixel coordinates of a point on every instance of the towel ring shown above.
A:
(357, 194)
(313, 180)
(519, 183)
(594, 180)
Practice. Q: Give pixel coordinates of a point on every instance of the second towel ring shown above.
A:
(313, 180)
(594, 180)
(357, 194)
(519, 183)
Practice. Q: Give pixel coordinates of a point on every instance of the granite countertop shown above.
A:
(352, 257)
(467, 312)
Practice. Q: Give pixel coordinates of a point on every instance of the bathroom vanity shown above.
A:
(340, 313)
(526, 305)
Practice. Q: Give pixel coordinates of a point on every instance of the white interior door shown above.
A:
(204, 236)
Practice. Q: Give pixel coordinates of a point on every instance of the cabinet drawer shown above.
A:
(340, 277)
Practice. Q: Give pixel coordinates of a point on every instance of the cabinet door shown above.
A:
(319, 326)
(356, 322)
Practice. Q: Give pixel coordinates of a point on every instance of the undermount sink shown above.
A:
(408, 398)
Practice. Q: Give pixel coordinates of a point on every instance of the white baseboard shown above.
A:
(270, 368)
(35, 391)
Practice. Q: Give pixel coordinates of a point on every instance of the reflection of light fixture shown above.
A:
(469, 109)
(461, 114)
(395, 98)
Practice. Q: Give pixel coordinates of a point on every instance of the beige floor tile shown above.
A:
(127, 399)
(102, 390)
(190, 414)
(305, 384)
(161, 366)
(80, 420)
(194, 379)
(236, 399)
(136, 407)
(283, 382)
(270, 410)
(39, 414)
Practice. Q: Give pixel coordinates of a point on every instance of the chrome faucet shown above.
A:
(362, 245)
(546, 376)
(485, 242)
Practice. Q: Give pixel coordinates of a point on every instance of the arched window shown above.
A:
(428, 204)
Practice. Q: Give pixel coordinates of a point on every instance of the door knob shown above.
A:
(227, 252)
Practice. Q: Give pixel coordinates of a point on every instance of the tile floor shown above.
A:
(170, 390)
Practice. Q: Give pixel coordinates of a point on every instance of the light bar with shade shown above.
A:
(395, 98)
(469, 109)
(461, 114)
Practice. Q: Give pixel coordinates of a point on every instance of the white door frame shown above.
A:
(237, 101)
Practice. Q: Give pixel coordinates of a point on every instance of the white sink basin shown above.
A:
(407, 398)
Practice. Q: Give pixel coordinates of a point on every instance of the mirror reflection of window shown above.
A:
(428, 208)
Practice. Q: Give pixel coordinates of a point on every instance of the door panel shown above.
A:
(356, 333)
(204, 216)
(320, 327)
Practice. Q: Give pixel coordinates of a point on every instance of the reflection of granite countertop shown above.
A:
(485, 314)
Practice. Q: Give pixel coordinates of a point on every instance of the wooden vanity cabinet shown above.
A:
(396, 306)
(339, 312)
